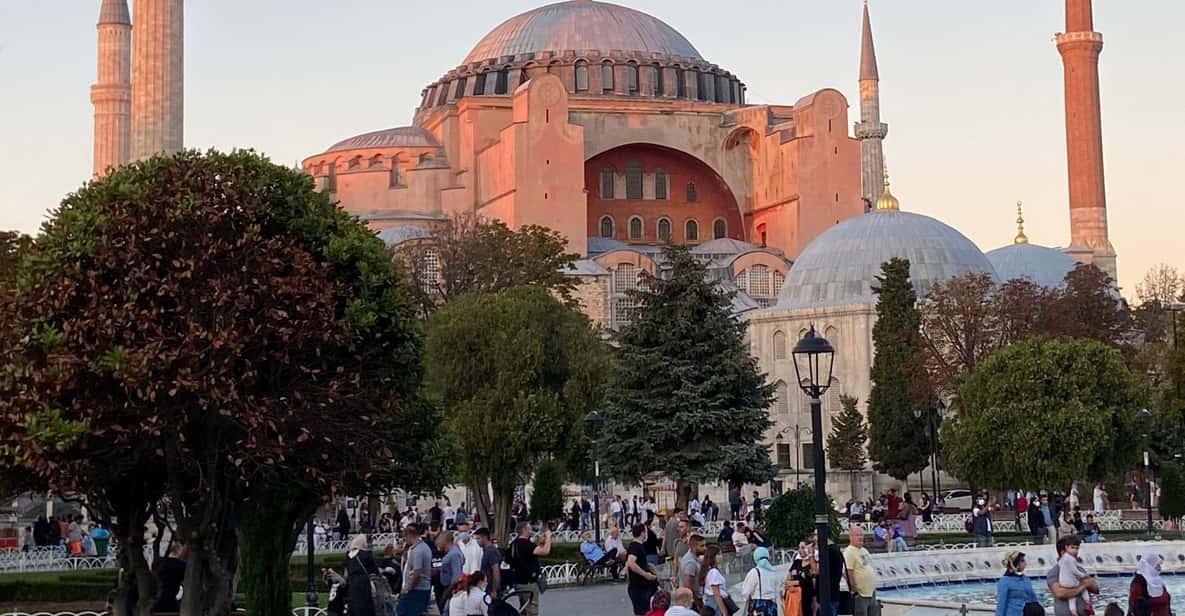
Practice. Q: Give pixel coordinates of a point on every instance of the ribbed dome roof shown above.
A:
(581, 24)
(840, 266)
(402, 137)
(1041, 265)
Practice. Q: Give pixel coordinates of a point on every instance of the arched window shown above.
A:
(396, 176)
(581, 76)
(606, 183)
(607, 77)
(606, 226)
(354, 163)
(442, 97)
(479, 86)
(632, 77)
(375, 161)
(622, 304)
(691, 231)
(656, 81)
(660, 184)
(664, 229)
(331, 183)
(503, 82)
(633, 179)
(429, 272)
(780, 345)
(427, 97)
(761, 283)
(635, 228)
(701, 86)
(782, 400)
(691, 196)
(719, 229)
(680, 83)
(460, 91)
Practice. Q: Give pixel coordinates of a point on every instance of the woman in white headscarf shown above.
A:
(1148, 588)
(359, 567)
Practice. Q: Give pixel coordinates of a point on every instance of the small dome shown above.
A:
(581, 24)
(840, 266)
(402, 137)
(394, 236)
(1040, 264)
(723, 246)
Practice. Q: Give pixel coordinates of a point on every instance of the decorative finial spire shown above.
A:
(1021, 238)
(887, 201)
(868, 68)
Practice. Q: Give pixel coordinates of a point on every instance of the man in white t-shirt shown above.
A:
(693, 506)
(450, 515)
(615, 511)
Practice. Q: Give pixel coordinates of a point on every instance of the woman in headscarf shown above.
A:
(759, 591)
(1148, 587)
(360, 566)
(1014, 590)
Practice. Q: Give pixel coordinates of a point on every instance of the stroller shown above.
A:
(501, 606)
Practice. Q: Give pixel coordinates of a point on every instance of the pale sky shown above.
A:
(971, 90)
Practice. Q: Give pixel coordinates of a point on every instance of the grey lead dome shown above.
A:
(840, 266)
(578, 25)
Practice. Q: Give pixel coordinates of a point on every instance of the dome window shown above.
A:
(479, 84)
(460, 91)
(607, 226)
(632, 76)
(635, 228)
(656, 81)
(581, 76)
(442, 96)
(680, 83)
(503, 82)
(607, 78)
(691, 231)
(701, 86)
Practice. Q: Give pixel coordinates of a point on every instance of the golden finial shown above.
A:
(887, 201)
(1021, 238)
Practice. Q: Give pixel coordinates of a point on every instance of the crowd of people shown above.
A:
(68, 532)
(1074, 588)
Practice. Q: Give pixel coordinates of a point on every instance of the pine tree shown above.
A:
(896, 445)
(845, 444)
(686, 398)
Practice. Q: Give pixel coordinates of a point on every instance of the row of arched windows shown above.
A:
(781, 344)
(662, 228)
(634, 179)
(762, 283)
(709, 86)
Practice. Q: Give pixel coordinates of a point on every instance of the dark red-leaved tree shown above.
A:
(208, 338)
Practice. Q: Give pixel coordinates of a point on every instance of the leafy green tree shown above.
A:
(896, 448)
(845, 444)
(791, 518)
(547, 499)
(205, 338)
(514, 373)
(685, 397)
(1042, 413)
(1172, 491)
(12, 245)
(475, 254)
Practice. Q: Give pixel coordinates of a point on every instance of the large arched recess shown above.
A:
(694, 192)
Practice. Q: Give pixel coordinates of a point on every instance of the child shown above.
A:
(659, 603)
(1070, 573)
(898, 544)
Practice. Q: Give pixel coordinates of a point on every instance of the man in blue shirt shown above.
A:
(593, 552)
(451, 567)
(417, 574)
(1049, 519)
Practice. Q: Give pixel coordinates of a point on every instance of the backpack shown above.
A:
(380, 592)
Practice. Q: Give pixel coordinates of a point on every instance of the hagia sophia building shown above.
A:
(609, 126)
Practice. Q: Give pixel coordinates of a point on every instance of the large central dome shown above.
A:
(581, 24)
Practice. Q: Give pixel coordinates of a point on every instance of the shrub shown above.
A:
(1172, 491)
(791, 518)
(547, 499)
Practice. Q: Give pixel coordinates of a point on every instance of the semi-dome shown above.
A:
(394, 236)
(581, 24)
(840, 266)
(1040, 264)
(401, 137)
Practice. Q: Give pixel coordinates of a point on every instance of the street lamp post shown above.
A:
(814, 359)
(593, 422)
(1145, 417)
(310, 549)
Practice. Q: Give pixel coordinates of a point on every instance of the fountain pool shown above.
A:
(1111, 588)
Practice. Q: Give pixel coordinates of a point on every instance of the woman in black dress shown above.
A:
(804, 570)
(359, 568)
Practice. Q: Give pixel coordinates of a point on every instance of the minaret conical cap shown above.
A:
(868, 69)
(115, 12)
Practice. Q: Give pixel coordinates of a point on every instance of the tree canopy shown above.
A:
(895, 445)
(845, 444)
(475, 254)
(514, 372)
(1041, 413)
(685, 397)
(206, 337)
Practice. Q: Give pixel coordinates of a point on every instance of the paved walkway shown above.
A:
(607, 599)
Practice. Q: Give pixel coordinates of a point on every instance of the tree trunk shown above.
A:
(481, 501)
(683, 492)
(503, 503)
(210, 570)
(267, 536)
(137, 590)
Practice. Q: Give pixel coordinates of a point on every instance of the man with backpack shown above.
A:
(525, 571)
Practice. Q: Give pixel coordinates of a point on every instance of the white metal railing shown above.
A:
(1004, 522)
(47, 561)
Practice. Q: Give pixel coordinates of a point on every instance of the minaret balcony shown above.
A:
(866, 130)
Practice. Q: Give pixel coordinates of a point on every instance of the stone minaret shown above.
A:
(157, 78)
(870, 130)
(1080, 46)
(112, 92)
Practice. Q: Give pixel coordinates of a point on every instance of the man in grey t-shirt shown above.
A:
(417, 574)
(689, 566)
(1062, 595)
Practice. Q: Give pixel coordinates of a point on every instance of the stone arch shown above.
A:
(738, 159)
